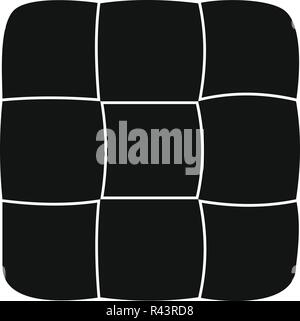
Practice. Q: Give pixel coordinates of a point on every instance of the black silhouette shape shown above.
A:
(151, 52)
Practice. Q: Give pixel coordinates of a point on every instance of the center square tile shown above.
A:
(145, 177)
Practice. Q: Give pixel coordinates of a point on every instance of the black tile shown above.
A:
(148, 179)
(150, 250)
(251, 150)
(150, 50)
(48, 151)
(251, 47)
(49, 252)
(251, 252)
(49, 50)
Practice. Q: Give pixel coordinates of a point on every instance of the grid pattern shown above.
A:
(211, 285)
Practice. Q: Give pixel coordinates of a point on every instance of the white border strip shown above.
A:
(50, 204)
(201, 170)
(97, 251)
(147, 198)
(204, 51)
(202, 151)
(97, 254)
(105, 161)
(248, 94)
(49, 98)
(204, 250)
(97, 26)
(190, 102)
(97, 222)
(248, 205)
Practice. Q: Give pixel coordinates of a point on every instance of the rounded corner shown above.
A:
(283, 289)
(268, 297)
(18, 291)
(283, 12)
(17, 11)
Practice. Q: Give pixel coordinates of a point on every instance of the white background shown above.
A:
(292, 7)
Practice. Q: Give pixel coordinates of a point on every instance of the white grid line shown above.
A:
(49, 98)
(97, 50)
(204, 51)
(250, 204)
(248, 94)
(145, 198)
(97, 266)
(112, 103)
(204, 250)
(201, 170)
(105, 161)
(204, 236)
(190, 102)
(97, 222)
(149, 198)
(53, 204)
